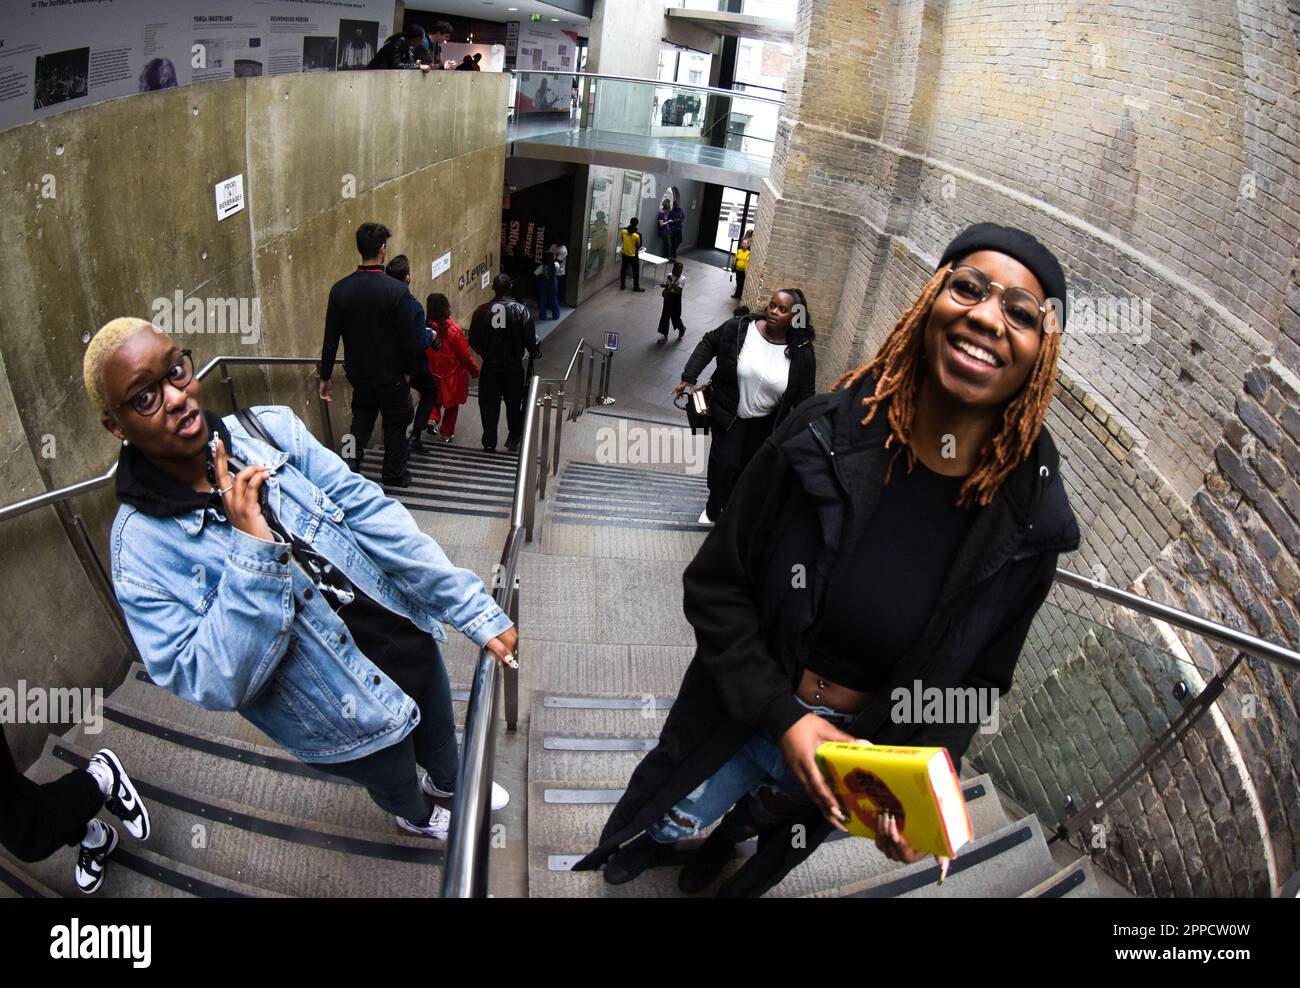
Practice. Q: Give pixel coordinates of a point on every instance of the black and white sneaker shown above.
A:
(89, 873)
(500, 797)
(124, 803)
(437, 826)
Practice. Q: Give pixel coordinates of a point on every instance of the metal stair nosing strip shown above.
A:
(268, 828)
(1072, 878)
(485, 475)
(22, 884)
(1017, 834)
(469, 485)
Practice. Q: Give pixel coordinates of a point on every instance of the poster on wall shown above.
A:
(539, 93)
(58, 55)
(598, 227)
(532, 220)
(492, 58)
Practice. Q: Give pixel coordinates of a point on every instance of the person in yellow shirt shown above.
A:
(630, 258)
(742, 262)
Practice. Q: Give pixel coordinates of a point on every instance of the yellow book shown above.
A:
(919, 786)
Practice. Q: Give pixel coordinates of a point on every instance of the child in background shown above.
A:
(452, 364)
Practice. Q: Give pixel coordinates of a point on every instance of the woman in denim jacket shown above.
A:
(273, 580)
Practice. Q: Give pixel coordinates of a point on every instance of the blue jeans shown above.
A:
(758, 765)
(548, 297)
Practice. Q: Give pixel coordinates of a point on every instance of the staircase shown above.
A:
(604, 649)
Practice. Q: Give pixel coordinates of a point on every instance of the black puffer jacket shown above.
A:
(723, 345)
(809, 491)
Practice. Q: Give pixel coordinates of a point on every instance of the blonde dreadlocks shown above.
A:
(897, 370)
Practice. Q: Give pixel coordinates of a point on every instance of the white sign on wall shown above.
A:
(230, 197)
(487, 279)
(442, 264)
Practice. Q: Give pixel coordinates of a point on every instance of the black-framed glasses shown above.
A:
(1020, 307)
(149, 399)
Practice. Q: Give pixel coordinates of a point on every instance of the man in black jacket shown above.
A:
(371, 312)
(500, 332)
(406, 50)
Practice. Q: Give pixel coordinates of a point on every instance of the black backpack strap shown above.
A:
(253, 427)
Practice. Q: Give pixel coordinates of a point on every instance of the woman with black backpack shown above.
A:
(765, 367)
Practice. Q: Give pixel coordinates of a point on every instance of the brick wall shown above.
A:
(1156, 151)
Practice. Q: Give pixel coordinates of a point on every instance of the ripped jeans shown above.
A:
(758, 765)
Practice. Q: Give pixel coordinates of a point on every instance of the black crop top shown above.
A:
(895, 573)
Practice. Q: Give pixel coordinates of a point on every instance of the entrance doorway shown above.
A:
(735, 216)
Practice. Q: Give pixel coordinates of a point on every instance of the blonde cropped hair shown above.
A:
(102, 346)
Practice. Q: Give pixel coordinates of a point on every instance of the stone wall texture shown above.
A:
(1156, 149)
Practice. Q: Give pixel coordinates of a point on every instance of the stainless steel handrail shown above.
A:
(1239, 640)
(659, 83)
(468, 843)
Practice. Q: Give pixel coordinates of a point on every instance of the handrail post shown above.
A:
(543, 448)
(511, 674)
(591, 371)
(559, 424)
(229, 382)
(576, 408)
(530, 478)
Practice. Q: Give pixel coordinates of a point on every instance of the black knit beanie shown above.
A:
(1024, 247)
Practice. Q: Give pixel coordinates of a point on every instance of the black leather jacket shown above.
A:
(504, 346)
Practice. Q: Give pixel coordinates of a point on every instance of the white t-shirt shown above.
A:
(678, 282)
(764, 373)
(560, 255)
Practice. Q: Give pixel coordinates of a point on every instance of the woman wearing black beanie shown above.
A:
(898, 533)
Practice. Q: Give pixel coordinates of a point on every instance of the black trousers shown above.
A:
(740, 284)
(730, 453)
(674, 241)
(393, 402)
(495, 385)
(36, 820)
(632, 264)
(390, 775)
(427, 385)
(672, 312)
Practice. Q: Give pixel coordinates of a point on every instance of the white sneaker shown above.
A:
(124, 803)
(500, 798)
(89, 872)
(704, 518)
(437, 827)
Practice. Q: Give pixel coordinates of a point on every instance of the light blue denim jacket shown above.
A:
(221, 619)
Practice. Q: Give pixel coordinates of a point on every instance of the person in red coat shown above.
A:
(452, 364)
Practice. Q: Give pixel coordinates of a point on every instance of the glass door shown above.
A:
(735, 217)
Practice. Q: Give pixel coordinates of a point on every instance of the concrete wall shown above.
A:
(625, 39)
(110, 207)
(1155, 150)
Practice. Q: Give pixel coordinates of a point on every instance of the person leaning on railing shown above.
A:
(269, 579)
(896, 534)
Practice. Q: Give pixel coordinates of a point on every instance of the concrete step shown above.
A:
(1076, 881)
(566, 818)
(133, 871)
(600, 495)
(1002, 864)
(259, 781)
(138, 694)
(220, 838)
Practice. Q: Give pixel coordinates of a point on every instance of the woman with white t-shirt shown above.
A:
(765, 367)
(672, 310)
(561, 257)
